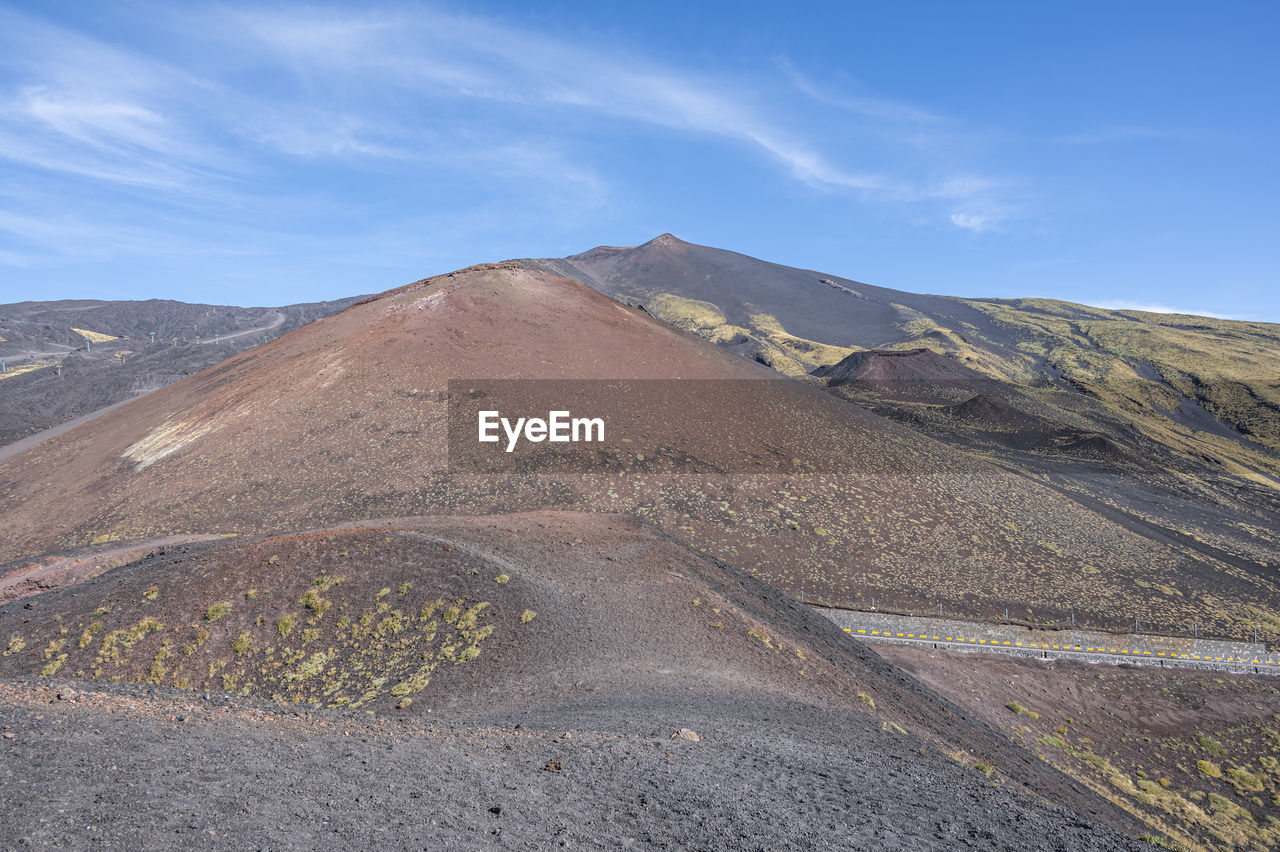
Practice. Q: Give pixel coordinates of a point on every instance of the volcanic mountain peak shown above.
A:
(667, 240)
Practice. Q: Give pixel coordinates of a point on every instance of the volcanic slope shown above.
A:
(1195, 388)
(1167, 424)
(1193, 754)
(594, 624)
(346, 418)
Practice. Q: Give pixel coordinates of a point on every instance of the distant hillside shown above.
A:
(1202, 391)
(52, 375)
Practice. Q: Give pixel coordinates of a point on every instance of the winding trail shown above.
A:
(23, 444)
(276, 323)
(33, 576)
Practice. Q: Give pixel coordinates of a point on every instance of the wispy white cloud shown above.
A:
(410, 95)
(73, 104)
(869, 107)
(971, 221)
(447, 55)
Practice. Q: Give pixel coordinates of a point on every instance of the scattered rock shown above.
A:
(687, 734)
(552, 765)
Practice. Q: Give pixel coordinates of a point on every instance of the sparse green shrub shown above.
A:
(382, 593)
(117, 643)
(16, 644)
(151, 593)
(1211, 745)
(1016, 707)
(1053, 741)
(1209, 768)
(318, 605)
(200, 635)
(393, 623)
(310, 668)
(404, 589)
(527, 616)
(502, 579)
(89, 632)
(285, 625)
(216, 611)
(403, 703)
(867, 700)
(53, 665)
(243, 644)
(467, 620)
(1244, 781)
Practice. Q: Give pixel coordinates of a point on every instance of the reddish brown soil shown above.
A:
(31, 577)
(344, 419)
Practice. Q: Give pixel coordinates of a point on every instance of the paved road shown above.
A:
(1269, 664)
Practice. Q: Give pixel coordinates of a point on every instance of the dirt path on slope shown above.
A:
(23, 444)
(33, 576)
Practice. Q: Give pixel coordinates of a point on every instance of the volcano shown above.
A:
(348, 418)
(314, 523)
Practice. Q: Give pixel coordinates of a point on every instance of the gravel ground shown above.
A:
(130, 766)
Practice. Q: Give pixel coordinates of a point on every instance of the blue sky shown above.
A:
(1122, 154)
